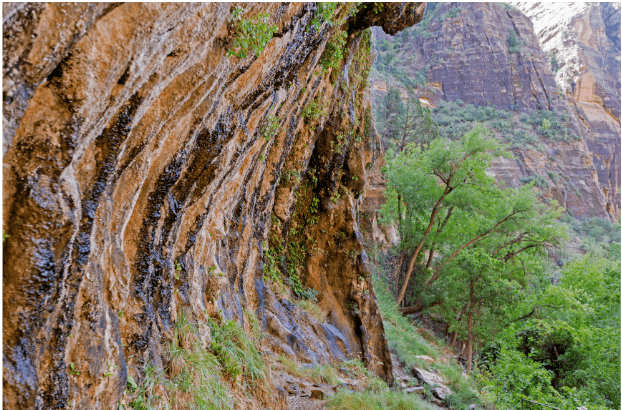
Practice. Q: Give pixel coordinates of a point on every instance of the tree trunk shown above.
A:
(398, 272)
(453, 339)
(399, 229)
(470, 338)
(411, 265)
(437, 271)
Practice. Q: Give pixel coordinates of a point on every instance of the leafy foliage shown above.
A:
(291, 255)
(315, 109)
(574, 340)
(455, 118)
(334, 51)
(270, 127)
(324, 14)
(251, 35)
(537, 180)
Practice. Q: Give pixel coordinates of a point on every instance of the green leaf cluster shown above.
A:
(251, 35)
(334, 51)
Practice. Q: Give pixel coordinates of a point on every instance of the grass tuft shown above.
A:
(385, 400)
(200, 376)
(313, 309)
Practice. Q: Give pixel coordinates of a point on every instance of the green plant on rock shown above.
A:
(288, 176)
(109, 369)
(316, 109)
(325, 13)
(352, 307)
(334, 51)
(339, 144)
(251, 35)
(513, 43)
(299, 290)
(270, 127)
(340, 236)
(537, 180)
(72, 370)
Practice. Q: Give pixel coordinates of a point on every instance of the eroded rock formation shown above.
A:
(132, 144)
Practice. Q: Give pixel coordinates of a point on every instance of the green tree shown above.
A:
(390, 108)
(512, 42)
(575, 337)
(474, 295)
(451, 205)
(413, 123)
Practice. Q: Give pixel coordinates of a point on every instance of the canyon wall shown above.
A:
(464, 53)
(584, 39)
(140, 181)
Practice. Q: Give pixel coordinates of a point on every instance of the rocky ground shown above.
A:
(302, 392)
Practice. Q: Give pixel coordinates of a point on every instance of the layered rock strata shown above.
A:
(133, 144)
(583, 42)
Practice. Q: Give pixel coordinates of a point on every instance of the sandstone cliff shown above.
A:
(488, 55)
(583, 42)
(139, 181)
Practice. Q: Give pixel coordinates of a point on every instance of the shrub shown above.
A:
(538, 180)
(512, 42)
(333, 53)
(514, 45)
(553, 345)
(555, 177)
(251, 35)
(324, 14)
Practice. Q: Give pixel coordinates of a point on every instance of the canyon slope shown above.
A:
(145, 171)
(496, 58)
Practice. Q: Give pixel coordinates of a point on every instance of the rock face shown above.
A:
(465, 54)
(132, 144)
(585, 40)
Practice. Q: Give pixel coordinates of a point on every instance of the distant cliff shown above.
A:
(488, 55)
(583, 42)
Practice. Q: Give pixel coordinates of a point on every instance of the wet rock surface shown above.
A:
(133, 144)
